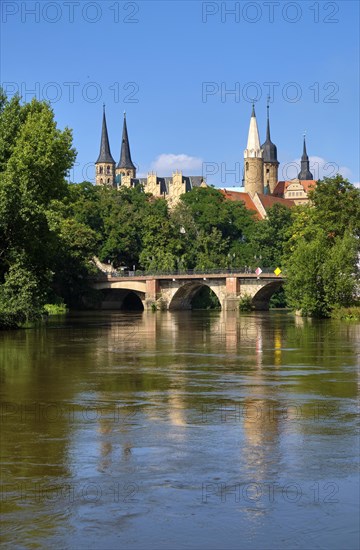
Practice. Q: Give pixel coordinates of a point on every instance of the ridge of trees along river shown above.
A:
(50, 229)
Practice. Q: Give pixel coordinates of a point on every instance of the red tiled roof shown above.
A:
(244, 197)
(269, 200)
(279, 189)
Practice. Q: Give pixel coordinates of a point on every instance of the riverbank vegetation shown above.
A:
(50, 229)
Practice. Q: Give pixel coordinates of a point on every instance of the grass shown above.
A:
(55, 309)
(347, 313)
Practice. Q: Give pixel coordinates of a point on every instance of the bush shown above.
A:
(55, 309)
(245, 303)
(346, 313)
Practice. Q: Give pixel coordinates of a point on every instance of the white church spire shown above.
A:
(253, 148)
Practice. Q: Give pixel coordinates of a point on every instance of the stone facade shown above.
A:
(270, 176)
(253, 174)
(177, 292)
(296, 191)
(105, 173)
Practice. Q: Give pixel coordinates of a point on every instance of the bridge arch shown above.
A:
(262, 297)
(122, 299)
(184, 295)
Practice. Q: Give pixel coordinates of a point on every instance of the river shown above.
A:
(182, 430)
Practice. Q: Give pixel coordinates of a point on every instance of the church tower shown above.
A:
(305, 173)
(105, 164)
(253, 160)
(271, 163)
(125, 165)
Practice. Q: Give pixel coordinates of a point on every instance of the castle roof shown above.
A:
(105, 154)
(305, 173)
(259, 203)
(253, 148)
(125, 156)
(244, 197)
(269, 148)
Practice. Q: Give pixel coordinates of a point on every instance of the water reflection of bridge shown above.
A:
(176, 291)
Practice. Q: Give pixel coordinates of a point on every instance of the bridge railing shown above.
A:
(152, 273)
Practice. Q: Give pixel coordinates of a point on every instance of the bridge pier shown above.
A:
(232, 291)
(152, 292)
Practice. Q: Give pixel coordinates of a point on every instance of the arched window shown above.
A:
(101, 180)
(247, 166)
(108, 180)
(108, 169)
(101, 170)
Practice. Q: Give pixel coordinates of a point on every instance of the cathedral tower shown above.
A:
(253, 160)
(271, 163)
(305, 173)
(125, 165)
(105, 164)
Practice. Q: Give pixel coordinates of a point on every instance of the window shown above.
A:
(101, 180)
(101, 170)
(108, 169)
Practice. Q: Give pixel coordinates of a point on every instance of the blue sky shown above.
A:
(172, 66)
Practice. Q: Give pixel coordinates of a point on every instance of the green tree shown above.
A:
(271, 235)
(35, 157)
(210, 211)
(323, 250)
(337, 206)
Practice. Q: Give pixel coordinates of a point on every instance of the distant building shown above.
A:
(295, 190)
(124, 173)
(261, 168)
(260, 179)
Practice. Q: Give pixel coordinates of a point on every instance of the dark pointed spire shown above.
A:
(304, 155)
(253, 110)
(270, 149)
(268, 125)
(125, 156)
(305, 173)
(105, 154)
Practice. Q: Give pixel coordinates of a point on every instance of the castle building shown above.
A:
(298, 188)
(105, 164)
(260, 180)
(124, 175)
(270, 160)
(253, 159)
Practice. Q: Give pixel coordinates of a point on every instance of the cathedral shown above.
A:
(262, 189)
(124, 173)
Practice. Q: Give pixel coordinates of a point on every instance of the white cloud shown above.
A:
(166, 163)
(319, 167)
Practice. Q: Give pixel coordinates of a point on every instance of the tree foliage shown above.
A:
(50, 230)
(323, 250)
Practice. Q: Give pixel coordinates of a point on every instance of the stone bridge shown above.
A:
(177, 291)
